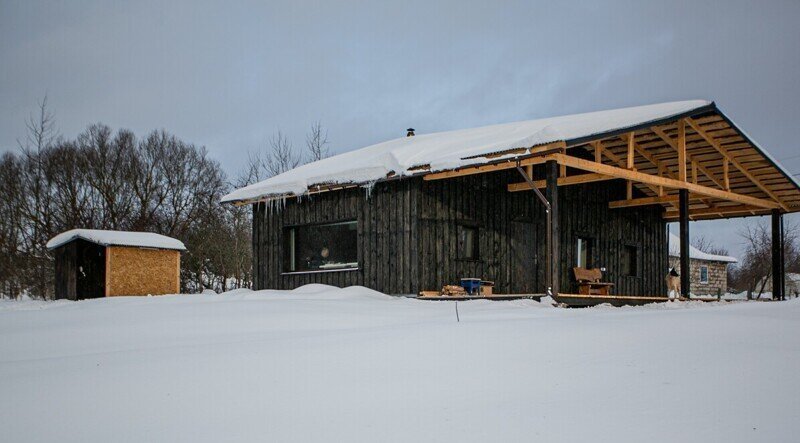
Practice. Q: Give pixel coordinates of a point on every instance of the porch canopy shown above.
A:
(701, 151)
(688, 157)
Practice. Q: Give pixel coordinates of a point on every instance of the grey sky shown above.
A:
(227, 75)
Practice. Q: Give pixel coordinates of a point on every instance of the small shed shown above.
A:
(93, 263)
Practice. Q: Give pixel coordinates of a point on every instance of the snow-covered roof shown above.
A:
(117, 238)
(453, 149)
(675, 251)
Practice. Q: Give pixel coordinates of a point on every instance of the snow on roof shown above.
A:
(452, 149)
(117, 238)
(675, 251)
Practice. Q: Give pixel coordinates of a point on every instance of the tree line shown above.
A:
(104, 179)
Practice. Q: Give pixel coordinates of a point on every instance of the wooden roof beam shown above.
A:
(562, 181)
(511, 163)
(721, 149)
(616, 159)
(645, 201)
(669, 141)
(663, 168)
(728, 211)
(654, 180)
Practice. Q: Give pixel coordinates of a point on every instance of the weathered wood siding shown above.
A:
(387, 228)
(79, 270)
(513, 225)
(407, 235)
(65, 271)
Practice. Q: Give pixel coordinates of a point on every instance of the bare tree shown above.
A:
(36, 224)
(755, 269)
(281, 156)
(10, 222)
(706, 245)
(107, 180)
(316, 143)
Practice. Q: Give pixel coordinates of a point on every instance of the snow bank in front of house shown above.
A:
(117, 238)
(452, 149)
(328, 364)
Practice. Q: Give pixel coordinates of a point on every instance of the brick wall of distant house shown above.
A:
(717, 276)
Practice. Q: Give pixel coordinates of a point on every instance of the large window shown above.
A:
(703, 274)
(467, 242)
(583, 252)
(321, 247)
(629, 261)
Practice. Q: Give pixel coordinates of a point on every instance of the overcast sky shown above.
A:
(228, 75)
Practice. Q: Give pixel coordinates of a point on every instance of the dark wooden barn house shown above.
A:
(94, 263)
(525, 205)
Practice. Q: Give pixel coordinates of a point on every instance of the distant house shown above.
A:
(709, 272)
(93, 263)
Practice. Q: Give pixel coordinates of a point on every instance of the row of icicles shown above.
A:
(277, 204)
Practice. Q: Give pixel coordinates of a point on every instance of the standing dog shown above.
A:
(673, 283)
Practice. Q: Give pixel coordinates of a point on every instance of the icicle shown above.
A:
(368, 187)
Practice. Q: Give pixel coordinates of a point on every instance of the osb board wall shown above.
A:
(139, 271)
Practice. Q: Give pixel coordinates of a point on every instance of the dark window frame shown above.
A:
(285, 250)
(625, 252)
(476, 241)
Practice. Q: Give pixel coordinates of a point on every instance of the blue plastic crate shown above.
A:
(471, 285)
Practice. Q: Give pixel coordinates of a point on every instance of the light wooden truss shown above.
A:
(724, 173)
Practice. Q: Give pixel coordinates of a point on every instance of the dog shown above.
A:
(673, 283)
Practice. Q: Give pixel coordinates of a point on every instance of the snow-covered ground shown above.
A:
(326, 364)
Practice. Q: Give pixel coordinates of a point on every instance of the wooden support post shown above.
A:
(631, 144)
(684, 237)
(630, 163)
(777, 255)
(681, 150)
(554, 261)
(725, 177)
(598, 152)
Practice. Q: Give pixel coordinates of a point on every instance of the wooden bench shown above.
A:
(589, 282)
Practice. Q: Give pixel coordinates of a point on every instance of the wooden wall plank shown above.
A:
(408, 235)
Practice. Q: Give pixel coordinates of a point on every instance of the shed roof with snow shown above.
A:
(117, 238)
(694, 253)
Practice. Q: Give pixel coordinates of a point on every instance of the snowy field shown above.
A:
(326, 364)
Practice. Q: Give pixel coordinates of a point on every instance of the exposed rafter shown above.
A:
(636, 176)
(722, 150)
(644, 201)
(562, 181)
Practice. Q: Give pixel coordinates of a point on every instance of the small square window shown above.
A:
(703, 274)
(467, 242)
(629, 261)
